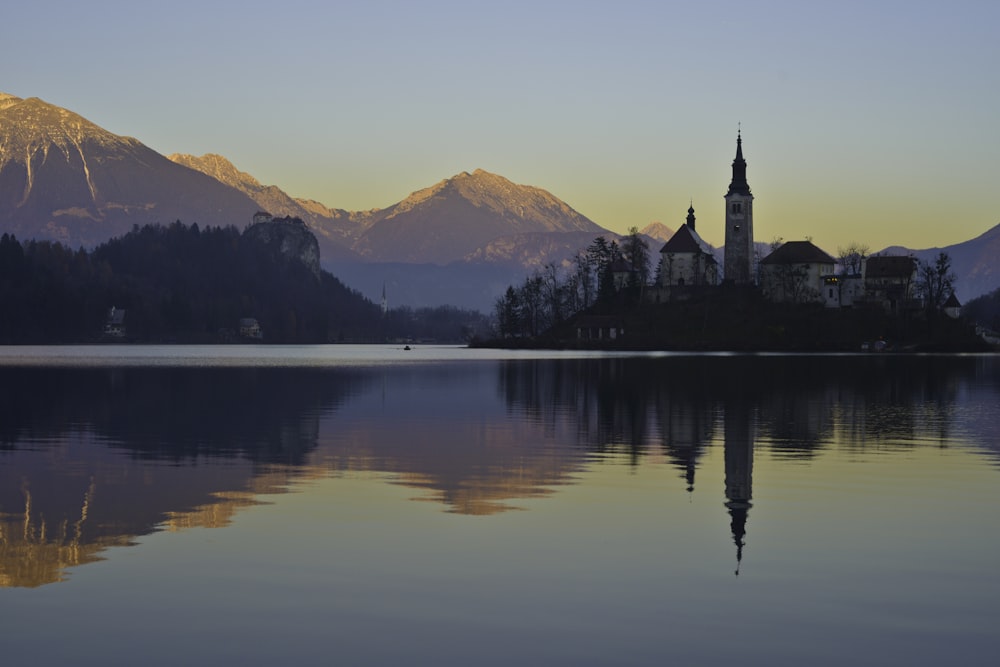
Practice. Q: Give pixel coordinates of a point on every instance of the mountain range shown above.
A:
(460, 241)
(64, 178)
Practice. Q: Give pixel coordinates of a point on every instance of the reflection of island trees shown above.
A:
(802, 403)
(93, 458)
(896, 404)
(62, 507)
(264, 415)
(687, 429)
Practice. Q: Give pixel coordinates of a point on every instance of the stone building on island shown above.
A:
(686, 260)
(795, 273)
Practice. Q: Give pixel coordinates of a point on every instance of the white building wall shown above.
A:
(801, 283)
(685, 268)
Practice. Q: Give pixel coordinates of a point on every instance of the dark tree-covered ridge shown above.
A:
(176, 283)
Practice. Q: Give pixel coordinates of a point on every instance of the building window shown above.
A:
(737, 207)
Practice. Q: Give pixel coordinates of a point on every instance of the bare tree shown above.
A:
(553, 292)
(533, 303)
(584, 277)
(851, 258)
(790, 282)
(936, 282)
(666, 269)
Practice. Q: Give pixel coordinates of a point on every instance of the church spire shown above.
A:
(690, 218)
(739, 183)
(739, 251)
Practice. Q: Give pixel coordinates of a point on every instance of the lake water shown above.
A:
(370, 505)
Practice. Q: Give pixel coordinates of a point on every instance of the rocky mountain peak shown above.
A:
(333, 226)
(217, 167)
(31, 124)
(7, 100)
(63, 177)
(288, 238)
(527, 208)
(658, 231)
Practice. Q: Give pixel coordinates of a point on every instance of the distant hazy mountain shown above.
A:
(64, 178)
(463, 241)
(658, 232)
(461, 215)
(974, 262)
(534, 249)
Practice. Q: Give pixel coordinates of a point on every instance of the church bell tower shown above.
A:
(738, 255)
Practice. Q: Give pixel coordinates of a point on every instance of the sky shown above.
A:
(872, 122)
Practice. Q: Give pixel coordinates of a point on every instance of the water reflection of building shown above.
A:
(738, 455)
(686, 428)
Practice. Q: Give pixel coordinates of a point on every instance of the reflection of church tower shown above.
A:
(739, 471)
(739, 223)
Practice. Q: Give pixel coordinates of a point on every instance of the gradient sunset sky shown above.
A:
(870, 121)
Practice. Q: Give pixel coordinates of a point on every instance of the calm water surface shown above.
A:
(369, 505)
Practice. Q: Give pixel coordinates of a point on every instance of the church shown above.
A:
(794, 272)
(686, 260)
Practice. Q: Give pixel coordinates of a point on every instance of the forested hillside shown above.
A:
(175, 283)
(985, 310)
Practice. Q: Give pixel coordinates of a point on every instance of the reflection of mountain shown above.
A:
(62, 506)
(93, 458)
(442, 430)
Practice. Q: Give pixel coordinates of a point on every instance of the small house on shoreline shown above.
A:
(114, 324)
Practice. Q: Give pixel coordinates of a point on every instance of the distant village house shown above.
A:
(250, 329)
(114, 325)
